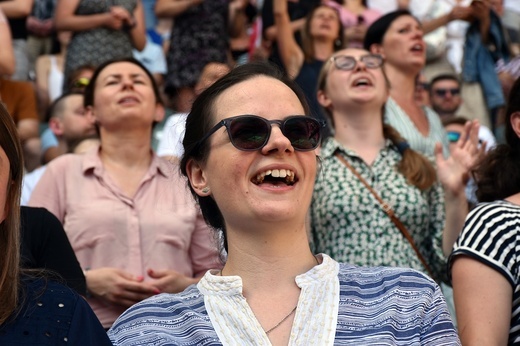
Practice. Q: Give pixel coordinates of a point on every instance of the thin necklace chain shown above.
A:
(289, 314)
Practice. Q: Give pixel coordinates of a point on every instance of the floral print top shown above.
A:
(349, 224)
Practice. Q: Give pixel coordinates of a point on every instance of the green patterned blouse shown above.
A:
(349, 224)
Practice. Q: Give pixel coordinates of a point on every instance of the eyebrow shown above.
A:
(119, 75)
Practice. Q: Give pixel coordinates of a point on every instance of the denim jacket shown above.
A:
(479, 60)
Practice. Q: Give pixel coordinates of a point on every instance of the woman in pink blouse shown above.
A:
(356, 17)
(134, 226)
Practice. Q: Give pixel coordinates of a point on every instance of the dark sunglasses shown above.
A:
(453, 136)
(442, 92)
(251, 132)
(347, 62)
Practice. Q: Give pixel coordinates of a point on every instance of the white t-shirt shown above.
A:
(170, 143)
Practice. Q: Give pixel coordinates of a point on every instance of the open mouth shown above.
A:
(128, 99)
(275, 177)
(417, 48)
(362, 82)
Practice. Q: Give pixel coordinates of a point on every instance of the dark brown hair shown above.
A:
(201, 119)
(10, 227)
(497, 175)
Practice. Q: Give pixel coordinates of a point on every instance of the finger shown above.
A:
(157, 274)
(130, 277)
(140, 288)
(438, 153)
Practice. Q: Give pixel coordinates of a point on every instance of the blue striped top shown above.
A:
(377, 306)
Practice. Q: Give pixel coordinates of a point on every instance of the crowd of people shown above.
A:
(265, 172)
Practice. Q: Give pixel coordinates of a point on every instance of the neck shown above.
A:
(128, 150)
(268, 259)
(323, 49)
(402, 84)
(355, 6)
(444, 115)
(360, 129)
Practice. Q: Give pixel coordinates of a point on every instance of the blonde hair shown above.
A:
(10, 227)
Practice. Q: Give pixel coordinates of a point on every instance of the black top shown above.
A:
(296, 11)
(44, 245)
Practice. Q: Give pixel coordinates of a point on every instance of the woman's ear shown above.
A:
(377, 48)
(197, 177)
(515, 123)
(323, 99)
(159, 113)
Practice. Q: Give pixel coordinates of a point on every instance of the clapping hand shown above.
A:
(454, 171)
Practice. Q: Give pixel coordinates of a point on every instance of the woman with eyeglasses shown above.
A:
(398, 37)
(377, 201)
(130, 219)
(252, 166)
(485, 260)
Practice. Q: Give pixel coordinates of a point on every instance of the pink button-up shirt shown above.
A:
(161, 227)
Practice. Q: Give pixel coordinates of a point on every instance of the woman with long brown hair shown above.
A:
(33, 309)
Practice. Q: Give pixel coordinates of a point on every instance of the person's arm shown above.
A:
(290, 52)
(237, 18)
(481, 13)
(16, 8)
(453, 173)
(42, 83)
(66, 19)
(7, 63)
(173, 8)
(137, 33)
(457, 13)
(483, 302)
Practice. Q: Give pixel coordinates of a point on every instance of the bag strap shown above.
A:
(388, 211)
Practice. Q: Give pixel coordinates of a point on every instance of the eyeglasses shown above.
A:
(81, 82)
(442, 92)
(453, 136)
(422, 85)
(347, 62)
(251, 132)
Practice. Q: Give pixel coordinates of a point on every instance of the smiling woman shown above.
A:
(272, 289)
(133, 225)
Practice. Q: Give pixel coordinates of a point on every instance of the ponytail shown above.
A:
(416, 168)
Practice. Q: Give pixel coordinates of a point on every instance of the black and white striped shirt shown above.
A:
(491, 235)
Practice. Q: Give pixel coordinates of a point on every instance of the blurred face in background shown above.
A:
(445, 96)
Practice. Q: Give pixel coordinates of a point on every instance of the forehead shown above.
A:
(325, 10)
(121, 69)
(261, 95)
(403, 20)
(445, 83)
(352, 52)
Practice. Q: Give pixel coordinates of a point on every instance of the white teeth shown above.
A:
(275, 173)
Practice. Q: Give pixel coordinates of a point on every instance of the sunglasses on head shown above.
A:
(81, 82)
(442, 92)
(251, 132)
(453, 136)
(347, 62)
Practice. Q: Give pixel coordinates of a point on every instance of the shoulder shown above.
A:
(165, 317)
(64, 163)
(384, 278)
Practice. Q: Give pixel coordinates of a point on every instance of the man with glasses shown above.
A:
(445, 99)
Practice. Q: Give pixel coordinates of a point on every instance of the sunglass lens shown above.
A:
(248, 133)
(303, 132)
(453, 136)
